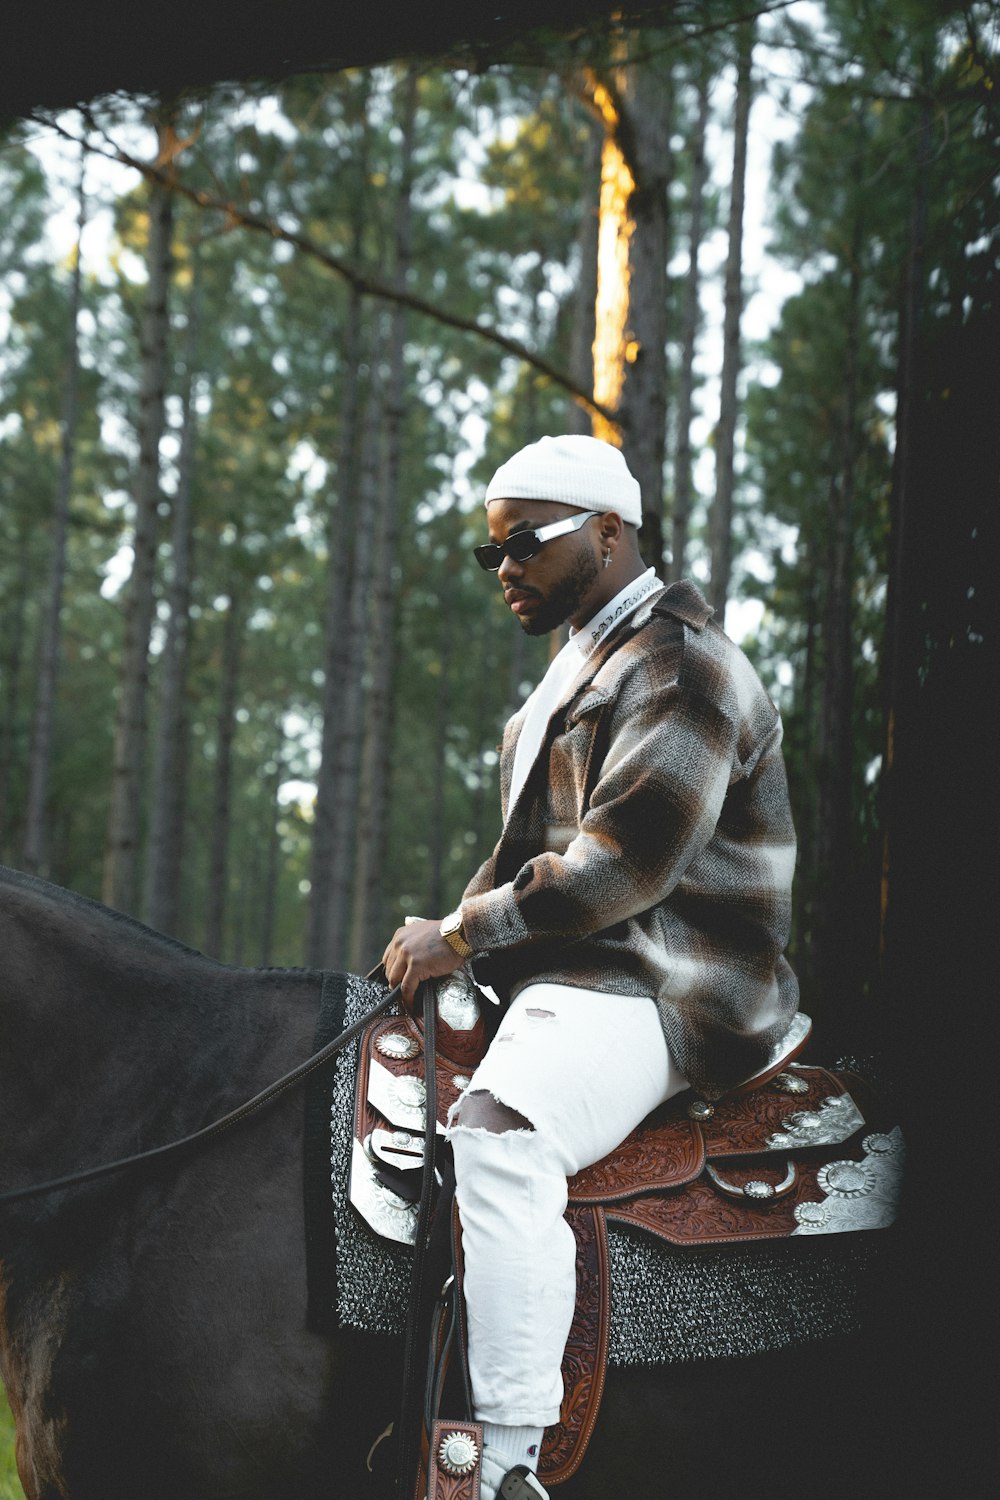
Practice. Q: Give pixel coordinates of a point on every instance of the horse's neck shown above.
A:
(116, 1039)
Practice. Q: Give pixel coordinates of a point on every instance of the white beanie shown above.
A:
(574, 470)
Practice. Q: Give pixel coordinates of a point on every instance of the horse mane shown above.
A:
(73, 900)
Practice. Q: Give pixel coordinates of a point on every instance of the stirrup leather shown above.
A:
(520, 1484)
(454, 1460)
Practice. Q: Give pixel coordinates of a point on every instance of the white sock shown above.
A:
(520, 1445)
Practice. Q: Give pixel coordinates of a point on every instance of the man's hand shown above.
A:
(415, 952)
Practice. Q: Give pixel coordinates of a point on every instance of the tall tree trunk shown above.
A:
(11, 664)
(165, 845)
(689, 337)
(646, 119)
(121, 861)
(485, 810)
(725, 436)
(615, 229)
(836, 967)
(43, 729)
(218, 865)
(630, 354)
(269, 893)
(366, 936)
(902, 604)
(438, 834)
(808, 878)
(349, 545)
(581, 355)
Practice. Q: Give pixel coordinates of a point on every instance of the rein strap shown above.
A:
(242, 1112)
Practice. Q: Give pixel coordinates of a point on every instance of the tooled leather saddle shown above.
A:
(794, 1151)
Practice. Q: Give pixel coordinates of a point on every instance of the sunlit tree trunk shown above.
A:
(219, 838)
(43, 729)
(165, 845)
(689, 336)
(725, 434)
(615, 229)
(630, 357)
(121, 861)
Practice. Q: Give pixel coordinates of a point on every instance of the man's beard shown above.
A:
(565, 597)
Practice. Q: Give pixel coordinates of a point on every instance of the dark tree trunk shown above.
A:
(836, 965)
(438, 834)
(15, 623)
(366, 937)
(269, 893)
(804, 793)
(219, 838)
(581, 355)
(937, 1020)
(165, 846)
(689, 337)
(121, 862)
(903, 626)
(725, 436)
(43, 729)
(646, 114)
(350, 544)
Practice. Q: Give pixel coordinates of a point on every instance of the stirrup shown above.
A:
(520, 1484)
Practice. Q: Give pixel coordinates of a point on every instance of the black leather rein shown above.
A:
(201, 1137)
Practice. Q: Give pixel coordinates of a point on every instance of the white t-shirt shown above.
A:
(564, 667)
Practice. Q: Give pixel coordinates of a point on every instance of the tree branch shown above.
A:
(364, 282)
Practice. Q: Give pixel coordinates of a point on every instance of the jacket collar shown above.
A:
(685, 602)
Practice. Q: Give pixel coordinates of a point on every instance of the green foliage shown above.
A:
(10, 1485)
(899, 117)
(499, 183)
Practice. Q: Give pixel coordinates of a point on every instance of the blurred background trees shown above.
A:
(251, 683)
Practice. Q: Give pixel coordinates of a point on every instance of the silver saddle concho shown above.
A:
(778, 1119)
(795, 1151)
(391, 1108)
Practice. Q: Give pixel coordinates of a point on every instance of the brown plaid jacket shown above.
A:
(651, 849)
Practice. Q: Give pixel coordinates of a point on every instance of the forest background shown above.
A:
(251, 683)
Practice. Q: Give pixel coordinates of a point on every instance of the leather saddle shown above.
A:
(794, 1151)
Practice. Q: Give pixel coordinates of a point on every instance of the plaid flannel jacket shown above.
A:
(651, 849)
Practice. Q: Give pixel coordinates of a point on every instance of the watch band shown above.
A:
(451, 931)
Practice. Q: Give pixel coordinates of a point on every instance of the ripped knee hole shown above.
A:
(481, 1111)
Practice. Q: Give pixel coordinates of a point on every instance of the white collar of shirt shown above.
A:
(589, 636)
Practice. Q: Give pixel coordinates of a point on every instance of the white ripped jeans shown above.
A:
(583, 1068)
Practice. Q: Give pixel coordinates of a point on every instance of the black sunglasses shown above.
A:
(521, 545)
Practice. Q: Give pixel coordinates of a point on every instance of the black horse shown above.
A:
(153, 1331)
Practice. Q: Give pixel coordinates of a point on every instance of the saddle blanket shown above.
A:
(669, 1302)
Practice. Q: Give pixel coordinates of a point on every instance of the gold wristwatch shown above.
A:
(451, 931)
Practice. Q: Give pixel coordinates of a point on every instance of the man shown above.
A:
(632, 917)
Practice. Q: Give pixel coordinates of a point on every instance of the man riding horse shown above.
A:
(631, 920)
